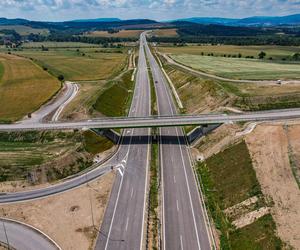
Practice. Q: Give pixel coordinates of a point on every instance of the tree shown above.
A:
(296, 56)
(262, 55)
(61, 78)
(239, 55)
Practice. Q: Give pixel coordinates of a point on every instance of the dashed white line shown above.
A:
(181, 242)
(126, 227)
(131, 193)
(177, 205)
(174, 179)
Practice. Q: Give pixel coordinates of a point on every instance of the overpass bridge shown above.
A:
(156, 121)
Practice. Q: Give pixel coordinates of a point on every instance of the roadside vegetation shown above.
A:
(116, 96)
(40, 157)
(228, 179)
(153, 216)
(95, 144)
(21, 81)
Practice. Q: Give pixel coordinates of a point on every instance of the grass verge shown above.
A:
(115, 99)
(95, 144)
(228, 178)
(47, 156)
(153, 200)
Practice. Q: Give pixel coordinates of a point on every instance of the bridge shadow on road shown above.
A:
(143, 139)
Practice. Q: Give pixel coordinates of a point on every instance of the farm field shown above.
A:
(59, 45)
(80, 64)
(120, 34)
(24, 30)
(165, 32)
(276, 52)
(240, 68)
(22, 80)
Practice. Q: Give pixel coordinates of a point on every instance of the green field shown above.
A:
(59, 45)
(116, 97)
(276, 52)
(240, 68)
(22, 80)
(1, 71)
(79, 64)
(228, 178)
(24, 30)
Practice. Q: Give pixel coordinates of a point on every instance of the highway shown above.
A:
(164, 120)
(184, 223)
(124, 224)
(24, 237)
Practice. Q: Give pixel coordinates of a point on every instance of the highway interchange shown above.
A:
(184, 219)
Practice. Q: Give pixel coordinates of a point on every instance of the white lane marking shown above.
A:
(126, 227)
(177, 205)
(174, 179)
(124, 161)
(120, 172)
(60, 109)
(172, 112)
(181, 242)
(189, 191)
(131, 193)
(115, 208)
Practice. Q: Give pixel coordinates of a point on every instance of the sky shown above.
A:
(59, 10)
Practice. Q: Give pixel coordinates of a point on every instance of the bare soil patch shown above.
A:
(67, 217)
(268, 146)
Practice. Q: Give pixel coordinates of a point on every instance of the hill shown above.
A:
(249, 21)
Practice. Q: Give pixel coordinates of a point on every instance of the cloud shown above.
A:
(154, 9)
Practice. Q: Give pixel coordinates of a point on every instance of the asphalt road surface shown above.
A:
(23, 237)
(123, 226)
(184, 224)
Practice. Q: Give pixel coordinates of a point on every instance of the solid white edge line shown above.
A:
(195, 224)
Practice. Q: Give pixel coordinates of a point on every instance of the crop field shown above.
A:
(59, 45)
(276, 52)
(121, 33)
(240, 68)
(24, 30)
(165, 32)
(21, 81)
(79, 64)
